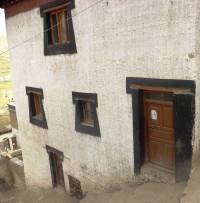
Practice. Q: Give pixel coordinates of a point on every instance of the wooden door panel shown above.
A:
(167, 117)
(161, 154)
(56, 166)
(168, 156)
(156, 152)
(159, 133)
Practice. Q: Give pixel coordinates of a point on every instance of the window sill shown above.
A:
(85, 129)
(87, 124)
(56, 49)
(38, 122)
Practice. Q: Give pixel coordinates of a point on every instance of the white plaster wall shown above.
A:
(124, 38)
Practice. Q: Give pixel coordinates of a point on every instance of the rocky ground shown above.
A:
(143, 193)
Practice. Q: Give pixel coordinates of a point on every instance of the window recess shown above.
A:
(86, 119)
(36, 110)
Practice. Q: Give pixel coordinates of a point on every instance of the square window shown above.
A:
(36, 110)
(86, 119)
(58, 27)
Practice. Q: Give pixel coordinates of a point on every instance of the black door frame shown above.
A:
(61, 156)
(184, 114)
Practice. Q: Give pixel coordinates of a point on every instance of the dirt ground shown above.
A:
(144, 193)
(192, 191)
(35, 195)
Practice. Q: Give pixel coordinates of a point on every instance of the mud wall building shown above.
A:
(118, 89)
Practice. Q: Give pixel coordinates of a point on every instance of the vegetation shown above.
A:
(4, 58)
(5, 84)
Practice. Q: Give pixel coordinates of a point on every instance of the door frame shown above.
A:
(184, 113)
(61, 155)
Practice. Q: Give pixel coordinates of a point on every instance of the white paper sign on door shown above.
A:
(154, 115)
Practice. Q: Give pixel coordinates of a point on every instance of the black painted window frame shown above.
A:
(55, 49)
(79, 126)
(34, 120)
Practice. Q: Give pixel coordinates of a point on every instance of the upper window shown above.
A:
(86, 119)
(36, 110)
(58, 27)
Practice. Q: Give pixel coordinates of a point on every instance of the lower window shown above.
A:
(86, 113)
(86, 120)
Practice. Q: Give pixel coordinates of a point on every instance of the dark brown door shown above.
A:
(56, 169)
(159, 132)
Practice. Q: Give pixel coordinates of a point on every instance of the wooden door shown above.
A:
(159, 132)
(56, 169)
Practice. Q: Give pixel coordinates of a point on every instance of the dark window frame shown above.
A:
(34, 120)
(93, 130)
(62, 48)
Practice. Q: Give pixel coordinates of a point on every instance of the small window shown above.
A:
(86, 112)
(36, 110)
(58, 27)
(36, 105)
(86, 120)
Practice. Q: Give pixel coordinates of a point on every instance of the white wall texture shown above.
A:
(115, 39)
